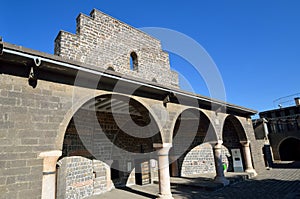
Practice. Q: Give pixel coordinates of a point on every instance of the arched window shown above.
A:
(154, 80)
(110, 68)
(133, 61)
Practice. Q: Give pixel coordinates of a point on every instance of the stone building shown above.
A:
(281, 128)
(106, 111)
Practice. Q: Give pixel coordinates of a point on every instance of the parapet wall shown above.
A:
(104, 42)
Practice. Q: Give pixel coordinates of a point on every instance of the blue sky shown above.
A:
(255, 44)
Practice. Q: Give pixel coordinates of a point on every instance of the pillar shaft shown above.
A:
(220, 178)
(247, 157)
(49, 173)
(164, 173)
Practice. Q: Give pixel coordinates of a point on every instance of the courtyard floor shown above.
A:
(281, 182)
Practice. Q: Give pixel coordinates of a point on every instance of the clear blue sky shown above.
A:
(255, 43)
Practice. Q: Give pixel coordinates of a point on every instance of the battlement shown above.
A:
(102, 41)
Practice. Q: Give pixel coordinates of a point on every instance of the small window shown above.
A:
(133, 61)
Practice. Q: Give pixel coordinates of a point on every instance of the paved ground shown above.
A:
(281, 183)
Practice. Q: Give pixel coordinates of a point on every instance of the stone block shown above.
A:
(29, 141)
(15, 171)
(29, 194)
(34, 162)
(15, 163)
(8, 195)
(3, 180)
(10, 180)
(18, 187)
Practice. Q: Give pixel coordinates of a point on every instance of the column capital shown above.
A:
(49, 160)
(162, 149)
(162, 145)
(54, 153)
(245, 143)
(218, 144)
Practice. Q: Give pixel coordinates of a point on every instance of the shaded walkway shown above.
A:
(275, 183)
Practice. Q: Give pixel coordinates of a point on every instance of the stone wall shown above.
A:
(79, 177)
(29, 123)
(104, 42)
(200, 160)
(35, 120)
(75, 178)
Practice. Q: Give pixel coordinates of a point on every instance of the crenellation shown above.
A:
(102, 41)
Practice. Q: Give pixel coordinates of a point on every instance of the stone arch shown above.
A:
(120, 102)
(238, 125)
(80, 101)
(191, 130)
(68, 116)
(93, 133)
(233, 135)
(110, 68)
(183, 109)
(289, 149)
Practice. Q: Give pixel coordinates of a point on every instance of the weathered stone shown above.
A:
(33, 121)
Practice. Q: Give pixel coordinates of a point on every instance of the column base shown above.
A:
(221, 180)
(252, 172)
(166, 196)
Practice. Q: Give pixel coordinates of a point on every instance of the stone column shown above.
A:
(163, 170)
(247, 157)
(266, 130)
(220, 178)
(49, 173)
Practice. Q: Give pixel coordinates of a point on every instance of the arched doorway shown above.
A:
(191, 153)
(289, 149)
(108, 137)
(233, 135)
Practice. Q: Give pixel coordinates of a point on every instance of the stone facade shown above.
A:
(37, 124)
(104, 42)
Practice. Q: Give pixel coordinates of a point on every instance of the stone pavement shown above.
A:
(276, 183)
